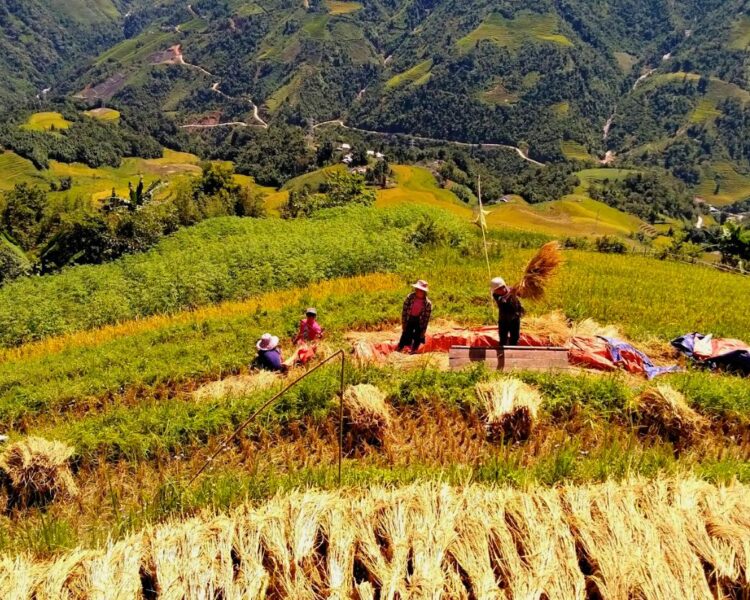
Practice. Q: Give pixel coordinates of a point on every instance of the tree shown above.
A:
(343, 188)
(23, 214)
(734, 243)
(378, 174)
(13, 263)
(250, 203)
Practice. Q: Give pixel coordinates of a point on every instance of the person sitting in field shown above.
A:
(269, 354)
(510, 311)
(415, 317)
(309, 328)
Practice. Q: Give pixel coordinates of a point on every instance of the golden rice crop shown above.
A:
(662, 539)
(367, 417)
(664, 411)
(37, 471)
(511, 408)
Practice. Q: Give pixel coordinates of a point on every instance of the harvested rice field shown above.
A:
(668, 538)
(147, 459)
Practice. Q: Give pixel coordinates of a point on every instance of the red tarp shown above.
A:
(587, 352)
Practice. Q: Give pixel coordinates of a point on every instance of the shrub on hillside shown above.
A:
(610, 245)
(13, 263)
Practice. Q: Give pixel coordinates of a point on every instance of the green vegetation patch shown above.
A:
(589, 176)
(561, 109)
(625, 61)
(317, 27)
(337, 7)
(511, 33)
(575, 151)
(139, 48)
(739, 38)
(418, 75)
(216, 260)
(499, 95)
(46, 121)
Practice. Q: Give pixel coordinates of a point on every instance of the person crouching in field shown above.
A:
(307, 338)
(510, 312)
(309, 328)
(269, 354)
(415, 317)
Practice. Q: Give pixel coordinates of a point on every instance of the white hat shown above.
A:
(311, 311)
(267, 342)
(497, 283)
(421, 285)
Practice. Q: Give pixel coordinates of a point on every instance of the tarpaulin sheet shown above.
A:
(591, 352)
(608, 354)
(716, 353)
(480, 337)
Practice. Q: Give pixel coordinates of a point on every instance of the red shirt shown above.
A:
(417, 306)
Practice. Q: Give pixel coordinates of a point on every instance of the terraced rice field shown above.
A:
(338, 7)
(46, 121)
(575, 151)
(14, 170)
(573, 215)
(104, 114)
(740, 35)
(733, 186)
(417, 75)
(512, 33)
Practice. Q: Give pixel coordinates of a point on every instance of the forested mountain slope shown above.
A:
(658, 82)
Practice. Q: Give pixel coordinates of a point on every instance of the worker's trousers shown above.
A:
(509, 332)
(412, 335)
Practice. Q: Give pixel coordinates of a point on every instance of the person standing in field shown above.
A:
(510, 311)
(309, 328)
(415, 317)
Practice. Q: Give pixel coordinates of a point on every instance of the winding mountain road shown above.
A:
(517, 150)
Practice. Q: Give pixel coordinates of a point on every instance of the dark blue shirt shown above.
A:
(270, 360)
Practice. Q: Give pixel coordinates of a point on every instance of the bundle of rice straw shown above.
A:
(539, 271)
(664, 411)
(38, 471)
(236, 386)
(511, 408)
(367, 416)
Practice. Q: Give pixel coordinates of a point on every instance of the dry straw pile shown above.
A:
(237, 386)
(659, 540)
(367, 416)
(511, 408)
(37, 471)
(664, 411)
(539, 271)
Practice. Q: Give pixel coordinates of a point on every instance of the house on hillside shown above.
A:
(344, 148)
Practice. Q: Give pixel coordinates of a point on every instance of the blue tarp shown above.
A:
(617, 348)
(725, 354)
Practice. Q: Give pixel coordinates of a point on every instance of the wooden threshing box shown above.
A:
(532, 358)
